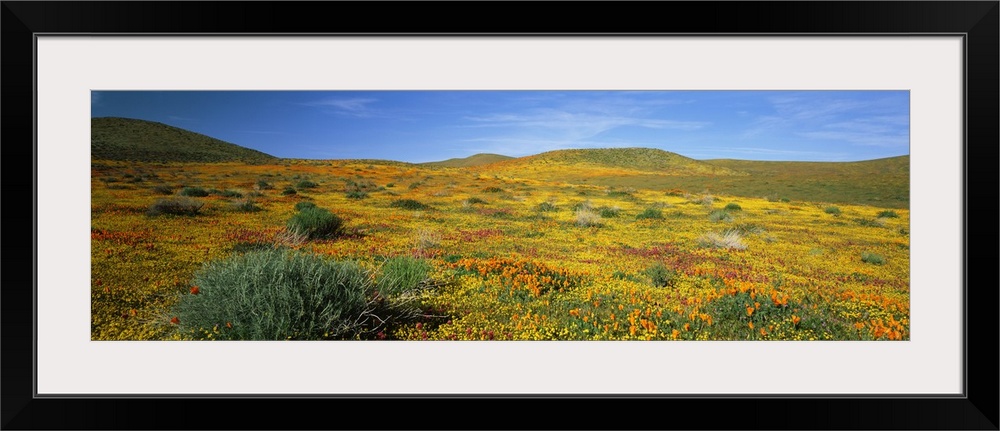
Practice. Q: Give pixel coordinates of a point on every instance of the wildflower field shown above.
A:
(411, 252)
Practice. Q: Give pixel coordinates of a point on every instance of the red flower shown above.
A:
(195, 290)
(175, 320)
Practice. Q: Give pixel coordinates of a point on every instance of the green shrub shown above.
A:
(401, 274)
(585, 205)
(390, 185)
(356, 195)
(660, 275)
(247, 205)
(304, 205)
(288, 191)
(733, 207)
(546, 207)
(413, 186)
(179, 206)
(867, 222)
(408, 204)
(194, 192)
(306, 184)
(264, 185)
(650, 213)
(475, 200)
(163, 190)
(231, 194)
(888, 214)
(609, 212)
(832, 210)
(275, 295)
(316, 223)
(872, 258)
(492, 189)
(720, 215)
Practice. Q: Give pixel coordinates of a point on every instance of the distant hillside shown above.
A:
(113, 138)
(899, 166)
(473, 160)
(635, 159)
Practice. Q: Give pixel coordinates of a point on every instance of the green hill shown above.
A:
(647, 160)
(473, 160)
(127, 139)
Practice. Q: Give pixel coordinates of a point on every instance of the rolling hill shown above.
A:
(473, 160)
(126, 139)
(647, 160)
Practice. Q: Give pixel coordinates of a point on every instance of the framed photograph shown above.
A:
(911, 85)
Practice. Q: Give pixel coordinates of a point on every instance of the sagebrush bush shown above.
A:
(275, 295)
(730, 239)
(248, 205)
(306, 184)
(163, 190)
(356, 195)
(650, 213)
(888, 214)
(872, 258)
(316, 223)
(178, 206)
(408, 204)
(231, 194)
(832, 210)
(304, 205)
(475, 200)
(587, 218)
(492, 189)
(288, 191)
(264, 185)
(720, 215)
(733, 207)
(660, 275)
(609, 212)
(197, 192)
(546, 207)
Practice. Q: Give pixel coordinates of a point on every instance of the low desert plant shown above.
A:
(650, 213)
(832, 210)
(720, 215)
(587, 218)
(872, 258)
(887, 214)
(274, 294)
(546, 207)
(163, 190)
(729, 239)
(194, 192)
(408, 204)
(733, 207)
(304, 205)
(177, 206)
(660, 275)
(316, 223)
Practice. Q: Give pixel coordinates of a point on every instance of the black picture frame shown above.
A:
(976, 21)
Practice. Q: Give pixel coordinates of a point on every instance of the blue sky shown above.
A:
(422, 126)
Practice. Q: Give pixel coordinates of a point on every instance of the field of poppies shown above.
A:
(466, 254)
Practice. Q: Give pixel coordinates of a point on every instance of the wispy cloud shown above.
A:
(866, 121)
(356, 106)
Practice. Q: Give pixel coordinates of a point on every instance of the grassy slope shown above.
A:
(127, 139)
(883, 182)
(473, 160)
(633, 159)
